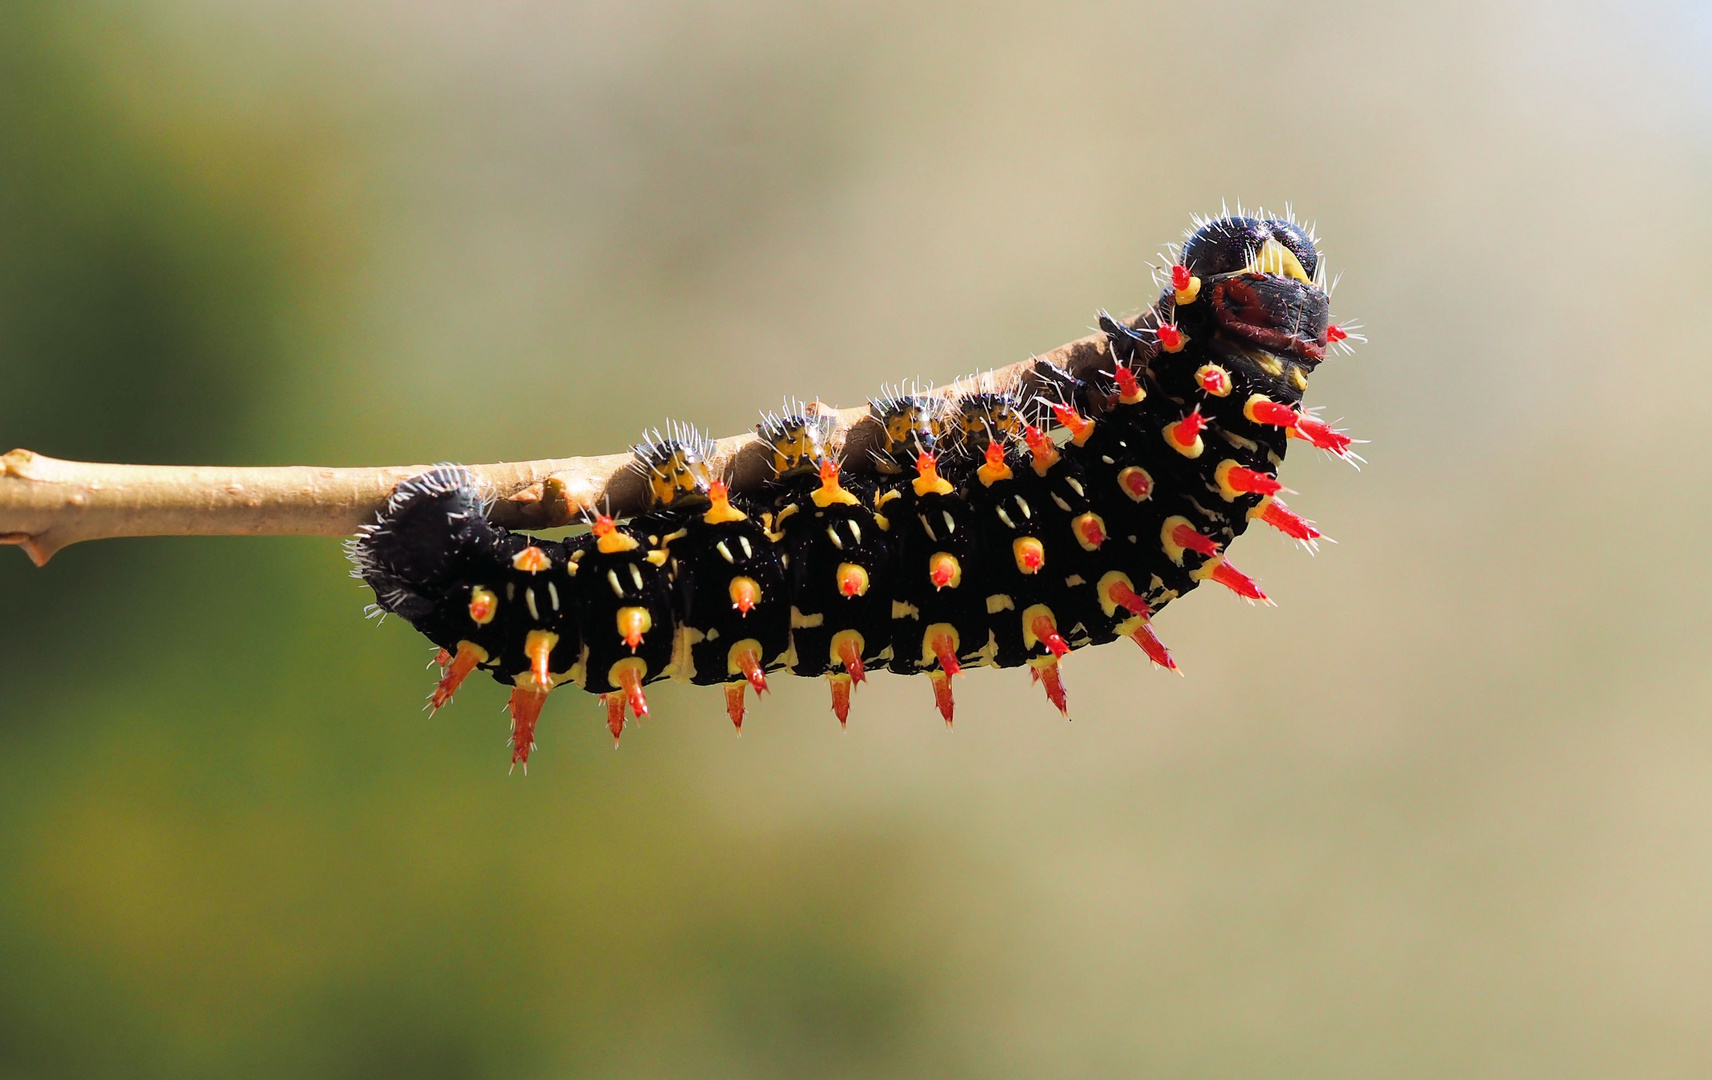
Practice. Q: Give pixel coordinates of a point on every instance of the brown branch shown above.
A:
(46, 503)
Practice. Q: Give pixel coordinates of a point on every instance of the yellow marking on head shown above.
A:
(1275, 258)
(1188, 295)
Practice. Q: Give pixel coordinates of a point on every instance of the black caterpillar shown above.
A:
(967, 536)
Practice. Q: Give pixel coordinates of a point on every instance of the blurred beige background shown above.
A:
(1444, 812)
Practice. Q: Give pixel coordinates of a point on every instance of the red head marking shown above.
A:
(1179, 277)
(1335, 333)
(995, 455)
(829, 473)
(1171, 339)
(603, 526)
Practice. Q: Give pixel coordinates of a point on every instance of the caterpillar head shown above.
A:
(799, 439)
(910, 423)
(1259, 279)
(675, 466)
(984, 419)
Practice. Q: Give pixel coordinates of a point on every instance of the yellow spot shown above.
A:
(1030, 554)
(721, 511)
(944, 570)
(1136, 482)
(1104, 590)
(1090, 530)
(938, 630)
(994, 468)
(633, 622)
(615, 675)
(852, 580)
(1173, 550)
(608, 540)
(1188, 295)
(657, 557)
(830, 490)
(531, 560)
(999, 602)
(1214, 379)
(745, 593)
(483, 605)
(538, 647)
(1296, 377)
(928, 481)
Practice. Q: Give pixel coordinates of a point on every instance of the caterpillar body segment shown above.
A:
(984, 529)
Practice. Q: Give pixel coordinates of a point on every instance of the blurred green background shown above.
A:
(1445, 811)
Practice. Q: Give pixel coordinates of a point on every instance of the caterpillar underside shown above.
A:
(998, 528)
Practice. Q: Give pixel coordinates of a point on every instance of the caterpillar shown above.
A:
(1002, 525)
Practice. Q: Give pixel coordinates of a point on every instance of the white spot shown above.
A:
(1075, 484)
(926, 528)
(1004, 517)
(950, 525)
(553, 595)
(636, 576)
(832, 534)
(748, 552)
(856, 532)
(724, 552)
(1022, 504)
(612, 579)
(1062, 505)
(529, 598)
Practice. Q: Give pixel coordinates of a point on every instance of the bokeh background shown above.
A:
(1446, 811)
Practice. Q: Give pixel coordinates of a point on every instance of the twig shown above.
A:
(47, 503)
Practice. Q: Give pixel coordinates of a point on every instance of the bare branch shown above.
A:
(46, 503)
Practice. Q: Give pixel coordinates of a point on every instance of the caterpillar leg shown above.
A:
(942, 694)
(841, 685)
(1044, 671)
(454, 670)
(526, 702)
(1144, 636)
(734, 702)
